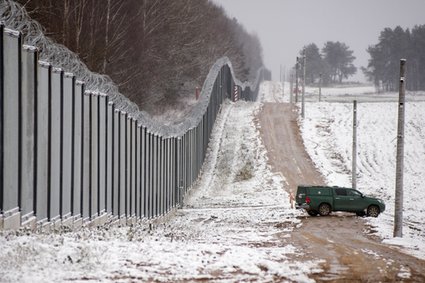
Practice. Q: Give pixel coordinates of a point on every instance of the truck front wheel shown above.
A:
(373, 211)
(324, 209)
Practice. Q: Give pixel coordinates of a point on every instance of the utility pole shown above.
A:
(354, 154)
(303, 97)
(283, 80)
(320, 87)
(291, 85)
(398, 213)
(296, 80)
(280, 73)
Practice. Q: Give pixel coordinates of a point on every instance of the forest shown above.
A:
(393, 45)
(332, 64)
(156, 51)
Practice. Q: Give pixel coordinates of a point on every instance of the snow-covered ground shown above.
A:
(232, 227)
(327, 134)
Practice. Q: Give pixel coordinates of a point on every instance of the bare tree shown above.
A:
(156, 51)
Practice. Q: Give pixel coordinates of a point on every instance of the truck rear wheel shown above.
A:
(324, 209)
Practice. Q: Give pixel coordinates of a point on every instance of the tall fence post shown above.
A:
(398, 213)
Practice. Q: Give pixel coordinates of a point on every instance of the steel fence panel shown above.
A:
(150, 176)
(11, 122)
(1, 115)
(43, 141)
(116, 163)
(151, 172)
(133, 155)
(173, 172)
(155, 176)
(78, 149)
(161, 177)
(28, 149)
(169, 177)
(128, 166)
(56, 148)
(86, 156)
(68, 145)
(123, 164)
(94, 153)
(102, 147)
(138, 169)
(110, 161)
(143, 175)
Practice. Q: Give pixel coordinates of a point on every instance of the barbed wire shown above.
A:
(14, 16)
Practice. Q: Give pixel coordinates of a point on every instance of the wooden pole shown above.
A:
(283, 80)
(291, 85)
(280, 72)
(354, 154)
(296, 80)
(320, 87)
(303, 95)
(398, 213)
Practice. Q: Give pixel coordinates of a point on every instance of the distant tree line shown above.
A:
(334, 62)
(384, 63)
(154, 50)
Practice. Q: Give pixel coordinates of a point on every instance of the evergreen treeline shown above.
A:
(154, 50)
(334, 62)
(384, 63)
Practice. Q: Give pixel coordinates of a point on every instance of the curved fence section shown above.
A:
(70, 155)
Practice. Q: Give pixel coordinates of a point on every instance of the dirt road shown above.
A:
(343, 241)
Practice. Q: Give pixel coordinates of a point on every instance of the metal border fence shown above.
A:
(70, 156)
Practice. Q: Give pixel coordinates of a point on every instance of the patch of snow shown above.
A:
(404, 273)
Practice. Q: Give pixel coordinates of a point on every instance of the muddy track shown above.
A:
(344, 242)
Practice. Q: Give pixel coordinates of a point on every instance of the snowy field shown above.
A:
(327, 134)
(232, 227)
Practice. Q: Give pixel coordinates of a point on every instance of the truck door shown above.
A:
(341, 199)
(356, 200)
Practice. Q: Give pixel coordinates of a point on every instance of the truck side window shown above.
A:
(341, 192)
(354, 193)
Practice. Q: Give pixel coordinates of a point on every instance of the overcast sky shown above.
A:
(285, 26)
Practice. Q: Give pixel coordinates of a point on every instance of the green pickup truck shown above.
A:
(323, 200)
